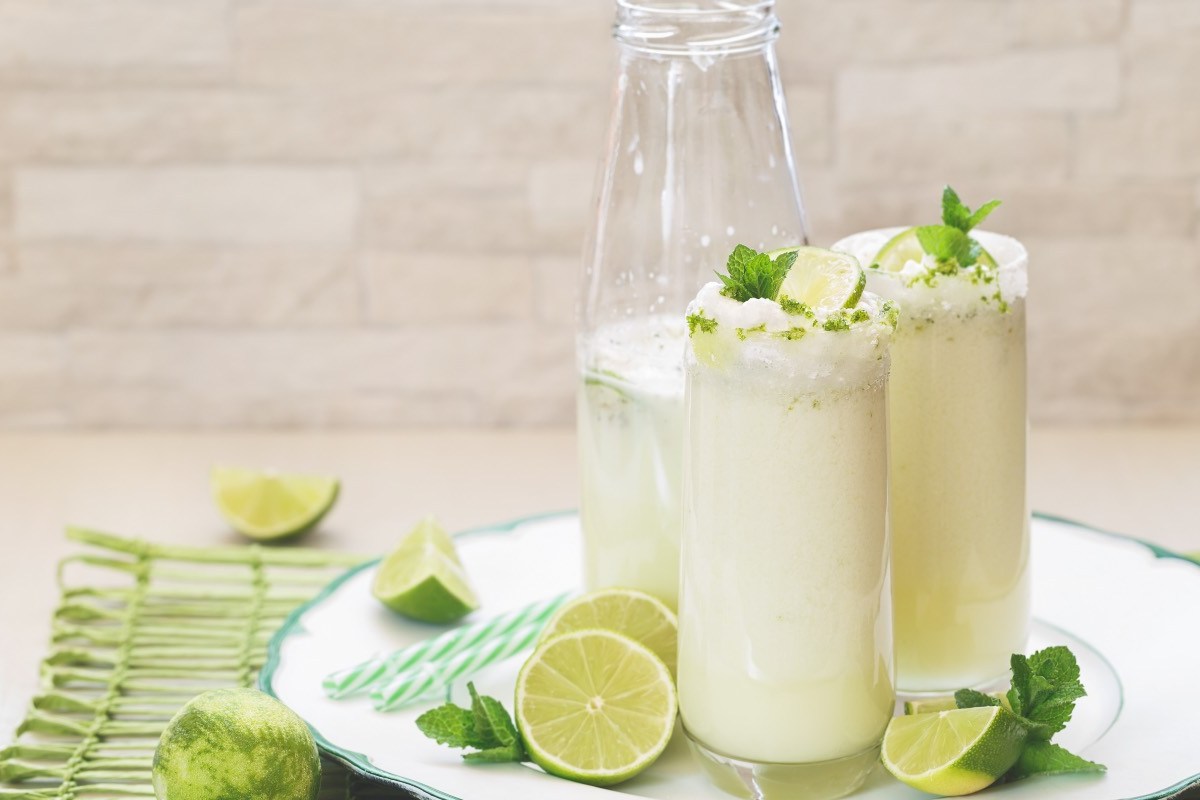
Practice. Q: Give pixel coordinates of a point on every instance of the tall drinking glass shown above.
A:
(697, 159)
(785, 627)
(960, 520)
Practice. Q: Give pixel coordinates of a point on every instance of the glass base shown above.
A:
(818, 780)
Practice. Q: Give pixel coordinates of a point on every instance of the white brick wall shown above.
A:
(224, 212)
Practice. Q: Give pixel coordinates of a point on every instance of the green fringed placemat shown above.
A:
(141, 629)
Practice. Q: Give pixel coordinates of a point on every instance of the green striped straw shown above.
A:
(376, 671)
(436, 676)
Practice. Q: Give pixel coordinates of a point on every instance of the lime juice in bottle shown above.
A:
(785, 628)
(959, 515)
(697, 158)
(631, 445)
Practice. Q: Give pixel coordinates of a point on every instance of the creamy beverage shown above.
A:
(959, 516)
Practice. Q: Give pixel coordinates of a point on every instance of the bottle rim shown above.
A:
(725, 27)
(726, 7)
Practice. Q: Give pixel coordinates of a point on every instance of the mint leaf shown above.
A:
(956, 214)
(969, 698)
(784, 262)
(1052, 688)
(493, 724)
(981, 213)
(1044, 758)
(497, 755)
(485, 727)
(449, 725)
(738, 259)
(752, 274)
(946, 243)
(1019, 686)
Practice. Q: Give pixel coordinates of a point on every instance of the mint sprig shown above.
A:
(753, 274)
(1045, 686)
(486, 729)
(951, 241)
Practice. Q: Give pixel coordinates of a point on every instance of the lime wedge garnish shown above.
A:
(953, 753)
(264, 505)
(640, 616)
(905, 247)
(925, 705)
(423, 578)
(824, 280)
(595, 706)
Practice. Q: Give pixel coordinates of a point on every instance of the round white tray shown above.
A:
(1127, 609)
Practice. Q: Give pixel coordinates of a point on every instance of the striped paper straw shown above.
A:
(376, 671)
(434, 676)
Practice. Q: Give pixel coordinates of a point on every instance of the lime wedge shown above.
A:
(595, 706)
(905, 247)
(925, 705)
(953, 753)
(264, 505)
(824, 280)
(640, 616)
(423, 578)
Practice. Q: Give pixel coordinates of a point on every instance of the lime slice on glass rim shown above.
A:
(825, 280)
(905, 247)
(953, 753)
(640, 616)
(594, 706)
(265, 505)
(423, 578)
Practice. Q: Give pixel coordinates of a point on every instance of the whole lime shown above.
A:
(236, 743)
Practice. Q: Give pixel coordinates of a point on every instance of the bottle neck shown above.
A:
(691, 28)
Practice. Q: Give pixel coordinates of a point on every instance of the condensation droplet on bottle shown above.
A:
(638, 163)
(705, 240)
(774, 230)
(729, 231)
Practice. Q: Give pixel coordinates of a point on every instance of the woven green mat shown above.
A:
(140, 630)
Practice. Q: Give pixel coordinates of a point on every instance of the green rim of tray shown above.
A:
(359, 763)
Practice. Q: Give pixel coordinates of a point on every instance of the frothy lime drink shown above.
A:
(630, 449)
(785, 648)
(960, 523)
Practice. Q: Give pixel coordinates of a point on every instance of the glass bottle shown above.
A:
(697, 159)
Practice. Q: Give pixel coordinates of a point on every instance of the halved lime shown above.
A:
(953, 753)
(423, 577)
(824, 280)
(595, 706)
(266, 505)
(640, 616)
(925, 705)
(905, 247)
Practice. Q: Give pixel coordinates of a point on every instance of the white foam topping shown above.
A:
(920, 292)
(758, 340)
